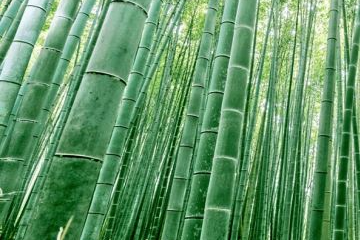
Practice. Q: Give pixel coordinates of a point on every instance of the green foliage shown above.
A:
(150, 133)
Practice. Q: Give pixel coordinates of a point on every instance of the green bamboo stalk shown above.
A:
(14, 68)
(128, 110)
(164, 190)
(269, 133)
(4, 8)
(295, 137)
(94, 101)
(249, 205)
(58, 128)
(354, 122)
(160, 211)
(107, 177)
(285, 139)
(141, 164)
(243, 173)
(221, 191)
(325, 127)
(182, 175)
(9, 16)
(19, 145)
(9, 36)
(202, 165)
(148, 150)
(155, 59)
(329, 196)
(144, 143)
(72, 43)
(341, 178)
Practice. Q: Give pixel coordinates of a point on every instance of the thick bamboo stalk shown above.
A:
(202, 165)
(83, 142)
(221, 190)
(326, 125)
(20, 143)
(14, 68)
(106, 180)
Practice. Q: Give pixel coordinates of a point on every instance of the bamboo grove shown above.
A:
(179, 119)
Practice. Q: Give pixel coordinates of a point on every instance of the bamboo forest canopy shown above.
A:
(179, 119)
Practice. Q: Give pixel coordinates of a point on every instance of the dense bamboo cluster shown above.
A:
(179, 119)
